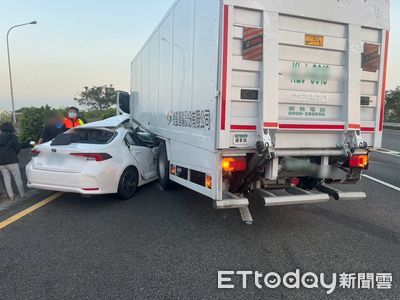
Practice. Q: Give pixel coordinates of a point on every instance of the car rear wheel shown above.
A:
(128, 184)
(163, 168)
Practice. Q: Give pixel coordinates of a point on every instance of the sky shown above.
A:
(79, 43)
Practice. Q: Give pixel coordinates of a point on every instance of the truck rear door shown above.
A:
(307, 81)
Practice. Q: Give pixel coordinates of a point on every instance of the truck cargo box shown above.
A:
(244, 94)
(215, 73)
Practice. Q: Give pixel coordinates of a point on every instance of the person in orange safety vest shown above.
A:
(72, 119)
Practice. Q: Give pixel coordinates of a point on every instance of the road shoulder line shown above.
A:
(29, 210)
(388, 152)
(382, 182)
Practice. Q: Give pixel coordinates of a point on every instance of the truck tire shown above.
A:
(128, 183)
(163, 168)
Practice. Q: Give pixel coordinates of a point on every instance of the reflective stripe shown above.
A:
(68, 123)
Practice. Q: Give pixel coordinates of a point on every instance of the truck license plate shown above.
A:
(240, 139)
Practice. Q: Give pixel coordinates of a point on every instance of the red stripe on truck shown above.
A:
(311, 126)
(244, 127)
(271, 125)
(383, 96)
(224, 66)
(367, 129)
(354, 126)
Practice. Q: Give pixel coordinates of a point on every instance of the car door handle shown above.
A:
(137, 152)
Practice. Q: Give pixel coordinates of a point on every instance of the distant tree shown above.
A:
(22, 109)
(392, 108)
(32, 122)
(98, 97)
(96, 115)
(111, 112)
(5, 116)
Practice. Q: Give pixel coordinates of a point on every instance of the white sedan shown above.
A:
(113, 156)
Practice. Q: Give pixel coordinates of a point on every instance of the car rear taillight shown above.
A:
(358, 161)
(93, 156)
(234, 164)
(35, 152)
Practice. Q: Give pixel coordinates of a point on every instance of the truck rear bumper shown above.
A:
(339, 195)
(292, 196)
(295, 196)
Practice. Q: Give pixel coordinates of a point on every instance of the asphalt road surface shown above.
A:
(172, 244)
(391, 140)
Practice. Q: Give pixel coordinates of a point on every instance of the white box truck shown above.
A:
(279, 99)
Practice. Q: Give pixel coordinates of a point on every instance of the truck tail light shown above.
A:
(35, 152)
(234, 164)
(358, 161)
(173, 170)
(93, 156)
(294, 181)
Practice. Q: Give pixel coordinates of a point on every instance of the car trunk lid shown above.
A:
(60, 155)
(60, 158)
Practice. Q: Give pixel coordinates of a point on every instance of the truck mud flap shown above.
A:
(295, 196)
(339, 195)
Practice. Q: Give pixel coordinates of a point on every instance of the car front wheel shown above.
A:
(128, 183)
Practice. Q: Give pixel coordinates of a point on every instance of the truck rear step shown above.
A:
(296, 196)
(230, 200)
(339, 195)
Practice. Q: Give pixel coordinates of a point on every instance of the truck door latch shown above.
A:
(265, 147)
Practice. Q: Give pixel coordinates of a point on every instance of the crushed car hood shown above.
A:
(112, 122)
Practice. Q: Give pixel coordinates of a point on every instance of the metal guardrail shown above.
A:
(395, 126)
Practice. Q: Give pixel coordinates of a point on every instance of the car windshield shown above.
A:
(94, 136)
(143, 132)
(139, 128)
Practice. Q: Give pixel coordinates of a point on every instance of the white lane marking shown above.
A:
(388, 152)
(386, 164)
(382, 182)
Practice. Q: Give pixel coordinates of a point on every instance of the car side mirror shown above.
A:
(123, 102)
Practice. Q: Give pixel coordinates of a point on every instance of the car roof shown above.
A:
(112, 122)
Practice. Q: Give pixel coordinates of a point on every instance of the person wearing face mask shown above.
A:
(54, 127)
(72, 119)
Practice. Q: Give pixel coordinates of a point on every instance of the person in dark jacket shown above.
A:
(54, 127)
(9, 149)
